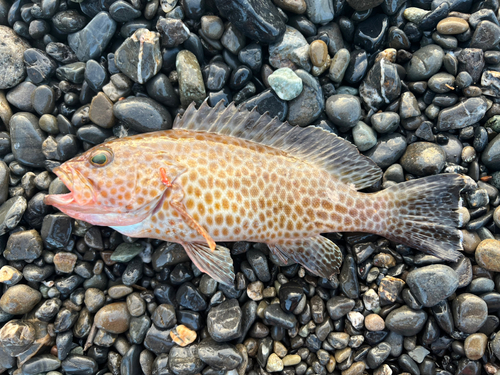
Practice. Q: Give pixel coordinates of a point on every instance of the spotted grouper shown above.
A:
(223, 175)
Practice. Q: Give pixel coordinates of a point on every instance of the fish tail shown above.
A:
(422, 214)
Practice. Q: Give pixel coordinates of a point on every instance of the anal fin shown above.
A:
(318, 254)
(216, 263)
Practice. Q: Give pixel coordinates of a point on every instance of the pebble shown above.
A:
(23, 245)
(64, 262)
(318, 53)
(12, 69)
(339, 65)
(134, 111)
(219, 356)
(432, 284)
(139, 56)
(285, 83)
(308, 106)
(19, 299)
(343, 110)
(425, 62)
(185, 361)
(461, 115)
(182, 335)
(364, 136)
(423, 159)
(92, 40)
(475, 346)
(406, 321)
(101, 111)
(487, 255)
(291, 51)
(486, 35)
(469, 312)
(224, 321)
(452, 26)
(374, 322)
(491, 154)
(113, 318)
(381, 86)
(191, 86)
(274, 363)
(27, 138)
(259, 21)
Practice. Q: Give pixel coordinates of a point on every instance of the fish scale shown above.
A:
(224, 175)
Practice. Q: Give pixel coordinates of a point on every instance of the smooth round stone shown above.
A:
(191, 85)
(491, 154)
(160, 89)
(121, 11)
(92, 40)
(285, 83)
(95, 75)
(39, 66)
(139, 56)
(370, 33)
(119, 291)
(12, 48)
(388, 150)
(74, 72)
(486, 35)
(362, 5)
(27, 139)
(441, 83)
(406, 321)
(11, 212)
(408, 106)
(212, 27)
(125, 252)
(164, 316)
(424, 63)
(101, 111)
(469, 312)
(364, 136)
(339, 65)
(374, 322)
(224, 322)
(69, 21)
(343, 110)
(48, 123)
(423, 159)
(142, 114)
(488, 255)
(452, 26)
(432, 284)
(23, 245)
(43, 99)
(318, 53)
(381, 86)
(475, 346)
(20, 96)
(385, 122)
(496, 216)
(94, 299)
(113, 318)
(19, 299)
(185, 361)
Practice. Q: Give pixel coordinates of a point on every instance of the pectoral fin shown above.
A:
(176, 204)
(318, 254)
(217, 263)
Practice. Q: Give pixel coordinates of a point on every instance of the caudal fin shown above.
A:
(424, 214)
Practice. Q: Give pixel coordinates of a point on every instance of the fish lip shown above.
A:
(61, 199)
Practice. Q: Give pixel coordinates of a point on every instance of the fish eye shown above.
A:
(101, 158)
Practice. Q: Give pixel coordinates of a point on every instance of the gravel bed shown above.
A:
(414, 84)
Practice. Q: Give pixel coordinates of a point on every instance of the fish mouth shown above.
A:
(68, 200)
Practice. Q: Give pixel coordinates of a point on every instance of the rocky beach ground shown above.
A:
(414, 84)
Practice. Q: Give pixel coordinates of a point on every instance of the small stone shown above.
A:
(475, 346)
(12, 69)
(452, 26)
(364, 136)
(356, 319)
(381, 86)
(291, 360)
(425, 62)
(469, 312)
(125, 252)
(101, 111)
(25, 245)
(182, 335)
(374, 322)
(423, 159)
(461, 115)
(65, 262)
(432, 284)
(274, 363)
(318, 53)
(143, 114)
(139, 56)
(224, 321)
(11, 212)
(16, 336)
(113, 318)
(486, 35)
(292, 50)
(10, 275)
(308, 106)
(254, 290)
(19, 299)
(418, 354)
(219, 356)
(92, 40)
(343, 110)
(26, 139)
(339, 64)
(285, 83)
(406, 321)
(191, 85)
(488, 255)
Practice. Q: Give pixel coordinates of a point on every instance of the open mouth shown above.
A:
(61, 199)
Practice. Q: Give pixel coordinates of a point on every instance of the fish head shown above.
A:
(117, 183)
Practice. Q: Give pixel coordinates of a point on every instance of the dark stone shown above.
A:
(224, 321)
(219, 356)
(39, 66)
(27, 138)
(143, 114)
(370, 34)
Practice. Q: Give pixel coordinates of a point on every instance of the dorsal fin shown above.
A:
(312, 144)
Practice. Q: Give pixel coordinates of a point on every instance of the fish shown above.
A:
(223, 174)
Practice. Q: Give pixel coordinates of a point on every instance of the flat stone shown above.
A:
(24, 245)
(113, 318)
(381, 86)
(452, 26)
(285, 83)
(461, 115)
(142, 114)
(469, 312)
(101, 111)
(406, 321)
(26, 139)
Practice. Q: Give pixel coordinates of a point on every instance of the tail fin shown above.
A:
(424, 215)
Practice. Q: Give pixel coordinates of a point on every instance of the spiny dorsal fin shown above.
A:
(312, 144)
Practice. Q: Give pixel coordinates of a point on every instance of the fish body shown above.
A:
(222, 175)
